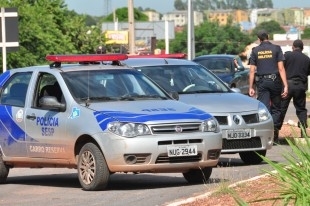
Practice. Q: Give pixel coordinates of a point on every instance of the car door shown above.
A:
(46, 128)
(242, 75)
(12, 114)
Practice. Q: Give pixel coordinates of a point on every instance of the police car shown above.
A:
(100, 117)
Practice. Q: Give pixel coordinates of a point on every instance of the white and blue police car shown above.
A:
(90, 113)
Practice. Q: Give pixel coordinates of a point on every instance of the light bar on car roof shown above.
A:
(86, 57)
(170, 56)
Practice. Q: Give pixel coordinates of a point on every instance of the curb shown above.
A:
(205, 195)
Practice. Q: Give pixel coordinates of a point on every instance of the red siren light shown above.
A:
(86, 57)
(170, 56)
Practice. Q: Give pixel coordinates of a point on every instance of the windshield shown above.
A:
(111, 85)
(185, 78)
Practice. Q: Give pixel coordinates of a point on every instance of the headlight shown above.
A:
(210, 125)
(126, 129)
(263, 113)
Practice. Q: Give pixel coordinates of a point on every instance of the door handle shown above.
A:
(31, 117)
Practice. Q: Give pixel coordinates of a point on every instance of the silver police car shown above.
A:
(100, 117)
(246, 124)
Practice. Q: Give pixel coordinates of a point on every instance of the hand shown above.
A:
(251, 92)
(284, 93)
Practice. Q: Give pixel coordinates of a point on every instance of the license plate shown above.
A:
(183, 150)
(239, 134)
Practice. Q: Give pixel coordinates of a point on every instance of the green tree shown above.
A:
(272, 27)
(211, 38)
(122, 15)
(180, 5)
(201, 5)
(257, 4)
(306, 34)
(48, 27)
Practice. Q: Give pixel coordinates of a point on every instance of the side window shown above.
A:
(48, 85)
(15, 89)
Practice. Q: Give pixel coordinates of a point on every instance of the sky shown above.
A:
(98, 7)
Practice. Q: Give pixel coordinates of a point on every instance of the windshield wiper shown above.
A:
(136, 96)
(97, 98)
(201, 91)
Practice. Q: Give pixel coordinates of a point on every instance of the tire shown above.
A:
(93, 171)
(198, 176)
(4, 171)
(251, 157)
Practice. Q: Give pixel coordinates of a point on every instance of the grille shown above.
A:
(140, 158)
(163, 158)
(183, 141)
(251, 118)
(222, 120)
(254, 142)
(171, 128)
(248, 119)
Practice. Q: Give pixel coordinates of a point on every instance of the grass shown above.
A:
(294, 176)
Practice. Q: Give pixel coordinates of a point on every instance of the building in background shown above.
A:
(180, 18)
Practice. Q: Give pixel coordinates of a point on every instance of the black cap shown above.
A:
(262, 35)
(298, 44)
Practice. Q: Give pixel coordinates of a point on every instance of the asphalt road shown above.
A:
(61, 186)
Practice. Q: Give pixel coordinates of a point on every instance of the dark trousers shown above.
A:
(269, 93)
(297, 92)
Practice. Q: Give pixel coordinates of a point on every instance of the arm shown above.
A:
(251, 80)
(283, 77)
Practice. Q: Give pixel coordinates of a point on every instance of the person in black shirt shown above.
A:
(297, 66)
(266, 68)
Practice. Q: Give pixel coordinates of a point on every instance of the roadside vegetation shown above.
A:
(289, 183)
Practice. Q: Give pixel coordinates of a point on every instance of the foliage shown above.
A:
(201, 5)
(211, 38)
(255, 4)
(306, 34)
(272, 27)
(179, 5)
(294, 179)
(122, 15)
(48, 27)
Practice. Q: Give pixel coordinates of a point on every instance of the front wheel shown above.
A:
(198, 176)
(4, 170)
(252, 157)
(93, 171)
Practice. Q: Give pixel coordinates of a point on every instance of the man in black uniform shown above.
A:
(297, 66)
(270, 79)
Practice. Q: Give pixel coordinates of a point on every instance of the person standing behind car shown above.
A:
(297, 66)
(267, 60)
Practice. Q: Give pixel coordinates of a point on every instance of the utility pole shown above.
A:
(131, 27)
(190, 32)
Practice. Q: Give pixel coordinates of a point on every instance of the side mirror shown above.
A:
(50, 102)
(174, 95)
(237, 90)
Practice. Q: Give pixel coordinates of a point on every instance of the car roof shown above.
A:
(136, 62)
(71, 67)
(217, 55)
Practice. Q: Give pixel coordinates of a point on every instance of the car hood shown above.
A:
(148, 111)
(221, 102)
